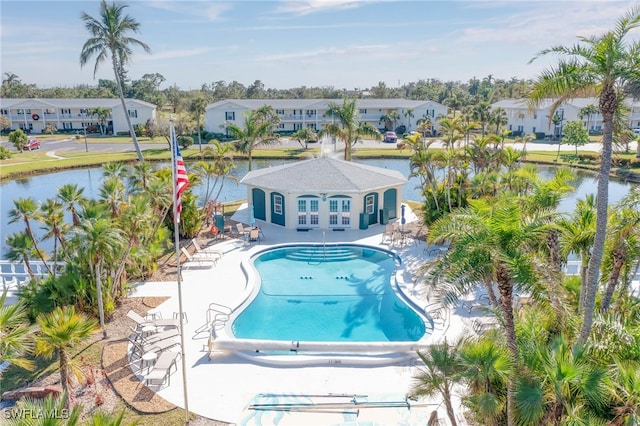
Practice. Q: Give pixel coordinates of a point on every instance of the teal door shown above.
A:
(259, 205)
(390, 201)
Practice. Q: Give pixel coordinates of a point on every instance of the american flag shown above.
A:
(182, 180)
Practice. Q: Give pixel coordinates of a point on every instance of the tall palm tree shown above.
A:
(99, 241)
(255, 132)
(440, 373)
(25, 209)
(110, 38)
(481, 113)
(348, 128)
(52, 216)
(15, 333)
(198, 108)
(409, 115)
(492, 235)
(588, 111)
(220, 169)
(61, 330)
(101, 113)
(602, 65)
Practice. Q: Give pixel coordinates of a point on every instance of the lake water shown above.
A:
(42, 187)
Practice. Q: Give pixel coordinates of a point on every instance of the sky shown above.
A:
(317, 43)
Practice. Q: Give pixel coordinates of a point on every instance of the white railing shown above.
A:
(13, 275)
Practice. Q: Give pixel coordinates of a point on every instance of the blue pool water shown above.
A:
(337, 293)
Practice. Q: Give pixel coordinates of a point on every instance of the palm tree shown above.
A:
(52, 216)
(25, 210)
(255, 132)
(440, 373)
(101, 114)
(198, 108)
(15, 333)
(409, 115)
(625, 388)
(601, 65)
(588, 112)
(348, 127)
(220, 169)
(61, 330)
(485, 369)
(481, 113)
(621, 248)
(71, 196)
(110, 37)
(577, 234)
(491, 235)
(498, 117)
(305, 134)
(99, 241)
(21, 249)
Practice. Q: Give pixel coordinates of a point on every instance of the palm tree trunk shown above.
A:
(492, 296)
(619, 257)
(124, 107)
(608, 106)
(99, 295)
(35, 245)
(555, 279)
(506, 295)
(584, 262)
(449, 407)
(64, 376)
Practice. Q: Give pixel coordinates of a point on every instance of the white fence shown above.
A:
(15, 274)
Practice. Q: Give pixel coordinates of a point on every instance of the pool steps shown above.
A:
(318, 254)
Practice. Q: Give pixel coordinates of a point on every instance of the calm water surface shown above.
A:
(45, 186)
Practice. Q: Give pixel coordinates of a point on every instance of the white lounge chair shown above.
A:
(388, 234)
(254, 235)
(214, 254)
(161, 371)
(141, 322)
(199, 259)
(157, 347)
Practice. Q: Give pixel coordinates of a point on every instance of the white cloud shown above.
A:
(314, 6)
(172, 54)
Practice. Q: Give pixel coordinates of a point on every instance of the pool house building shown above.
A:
(324, 193)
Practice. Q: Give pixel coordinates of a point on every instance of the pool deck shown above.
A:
(224, 387)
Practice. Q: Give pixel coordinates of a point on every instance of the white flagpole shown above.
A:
(176, 233)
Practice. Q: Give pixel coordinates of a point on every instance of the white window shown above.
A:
(333, 212)
(230, 115)
(363, 111)
(4, 112)
(297, 126)
(280, 111)
(281, 126)
(65, 111)
(133, 113)
(313, 214)
(277, 204)
(311, 112)
(312, 126)
(302, 212)
(368, 204)
(346, 212)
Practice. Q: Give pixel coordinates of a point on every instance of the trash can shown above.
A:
(364, 221)
(219, 222)
(384, 216)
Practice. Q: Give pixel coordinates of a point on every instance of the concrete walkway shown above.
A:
(225, 387)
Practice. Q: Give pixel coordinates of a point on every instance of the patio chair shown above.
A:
(200, 260)
(215, 254)
(161, 371)
(157, 347)
(240, 231)
(141, 322)
(388, 234)
(144, 338)
(254, 235)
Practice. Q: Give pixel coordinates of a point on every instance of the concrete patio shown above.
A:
(225, 386)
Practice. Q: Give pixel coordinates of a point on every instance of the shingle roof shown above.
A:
(323, 174)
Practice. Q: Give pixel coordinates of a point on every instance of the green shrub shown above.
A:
(4, 153)
(185, 141)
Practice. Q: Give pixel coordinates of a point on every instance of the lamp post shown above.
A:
(84, 130)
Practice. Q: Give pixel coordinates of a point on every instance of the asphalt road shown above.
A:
(61, 146)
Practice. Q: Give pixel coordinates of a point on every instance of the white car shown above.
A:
(637, 131)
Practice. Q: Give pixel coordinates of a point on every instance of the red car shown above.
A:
(31, 145)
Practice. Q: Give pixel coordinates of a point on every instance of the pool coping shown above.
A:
(310, 352)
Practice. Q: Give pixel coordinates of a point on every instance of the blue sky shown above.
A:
(339, 43)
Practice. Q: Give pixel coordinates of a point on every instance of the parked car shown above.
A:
(637, 131)
(390, 137)
(31, 145)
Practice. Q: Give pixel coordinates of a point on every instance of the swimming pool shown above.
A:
(325, 297)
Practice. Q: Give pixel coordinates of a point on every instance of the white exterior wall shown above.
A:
(292, 118)
(143, 113)
(66, 116)
(291, 207)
